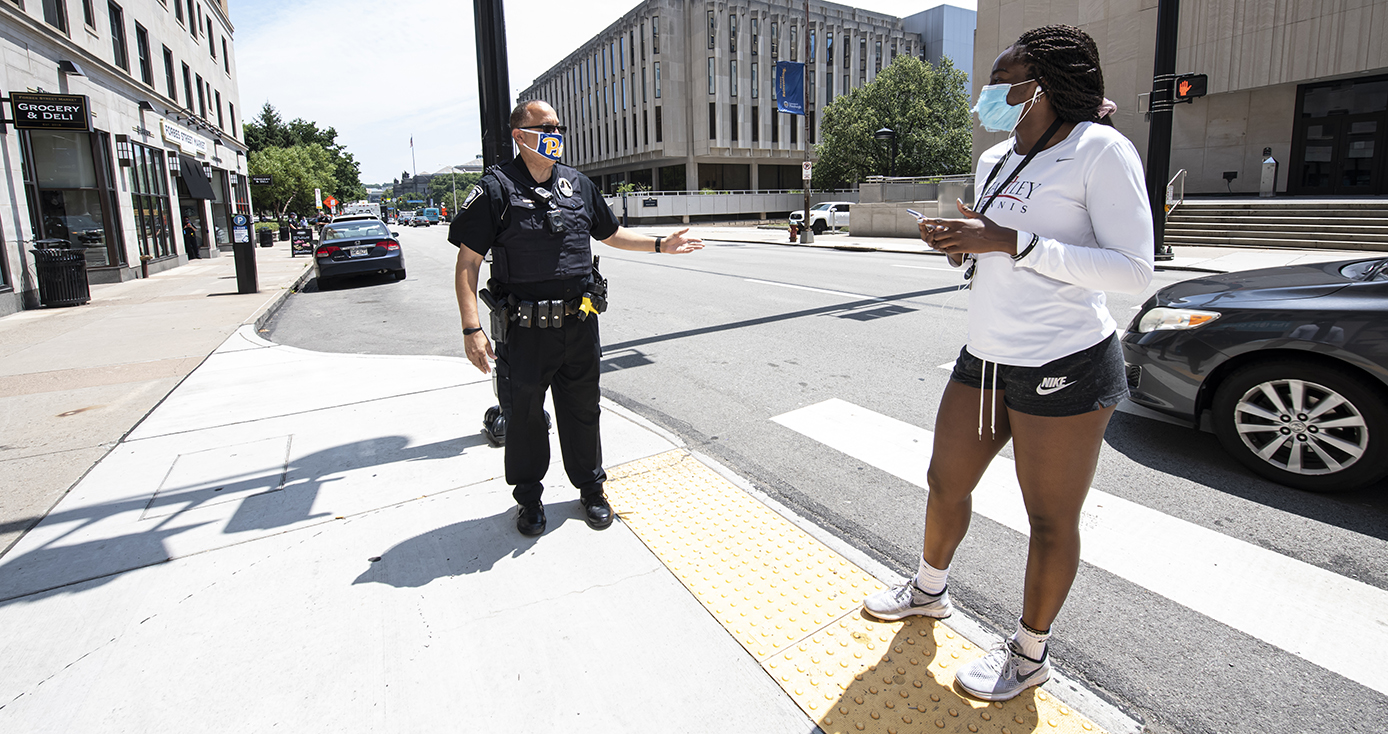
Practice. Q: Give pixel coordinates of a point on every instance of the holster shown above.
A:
(500, 313)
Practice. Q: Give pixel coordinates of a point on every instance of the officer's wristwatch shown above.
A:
(657, 243)
(470, 330)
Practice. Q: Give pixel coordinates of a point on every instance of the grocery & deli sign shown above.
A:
(32, 111)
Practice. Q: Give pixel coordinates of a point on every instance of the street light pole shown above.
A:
(807, 234)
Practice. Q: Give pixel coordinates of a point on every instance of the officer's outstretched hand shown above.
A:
(479, 349)
(678, 244)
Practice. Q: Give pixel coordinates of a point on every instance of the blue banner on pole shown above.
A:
(790, 87)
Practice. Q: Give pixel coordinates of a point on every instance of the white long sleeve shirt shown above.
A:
(1086, 199)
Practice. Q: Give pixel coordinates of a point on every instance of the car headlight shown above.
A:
(1174, 319)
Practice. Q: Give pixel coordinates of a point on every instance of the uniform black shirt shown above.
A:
(477, 223)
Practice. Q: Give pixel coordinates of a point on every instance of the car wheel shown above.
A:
(400, 275)
(819, 227)
(1306, 425)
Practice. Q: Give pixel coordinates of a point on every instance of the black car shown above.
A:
(357, 247)
(1289, 366)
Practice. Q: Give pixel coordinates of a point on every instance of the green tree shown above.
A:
(928, 108)
(268, 130)
(296, 170)
(441, 188)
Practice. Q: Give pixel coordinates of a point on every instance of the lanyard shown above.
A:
(1040, 144)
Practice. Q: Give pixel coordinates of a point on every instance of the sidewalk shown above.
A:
(74, 380)
(268, 548)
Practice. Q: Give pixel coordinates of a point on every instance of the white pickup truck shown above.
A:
(824, 215)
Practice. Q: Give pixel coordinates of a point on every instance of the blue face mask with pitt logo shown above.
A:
(550, 145)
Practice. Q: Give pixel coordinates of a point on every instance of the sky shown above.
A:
(381, 73)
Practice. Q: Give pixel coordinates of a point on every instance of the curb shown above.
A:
(269, 310)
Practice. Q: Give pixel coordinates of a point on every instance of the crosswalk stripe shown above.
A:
(1332, 621)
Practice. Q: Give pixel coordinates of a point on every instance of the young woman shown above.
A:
(1061, 215)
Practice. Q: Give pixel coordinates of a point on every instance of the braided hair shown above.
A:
(1066, 61)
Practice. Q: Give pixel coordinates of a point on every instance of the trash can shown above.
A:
(62, 273)
(267, 237)
(284, 232)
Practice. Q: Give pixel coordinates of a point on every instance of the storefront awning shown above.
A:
(194, 178)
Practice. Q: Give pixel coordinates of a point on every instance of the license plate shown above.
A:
(361, 251)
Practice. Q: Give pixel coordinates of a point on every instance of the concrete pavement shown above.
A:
(323, 542)
(74, 380)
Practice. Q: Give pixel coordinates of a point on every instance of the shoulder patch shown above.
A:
(472, 196)
(566, 189)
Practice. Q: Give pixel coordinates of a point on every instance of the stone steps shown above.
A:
(1357, 224)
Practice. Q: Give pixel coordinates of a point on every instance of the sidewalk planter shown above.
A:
(61, 274)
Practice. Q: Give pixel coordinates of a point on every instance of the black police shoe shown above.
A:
(596, 512)
(530, 519)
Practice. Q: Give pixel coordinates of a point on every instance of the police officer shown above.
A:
(538, 218)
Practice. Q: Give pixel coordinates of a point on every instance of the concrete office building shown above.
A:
(1306, 78)
(677, 95)
(946, 31)
(129, 127)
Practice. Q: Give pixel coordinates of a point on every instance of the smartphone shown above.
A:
(919, 217)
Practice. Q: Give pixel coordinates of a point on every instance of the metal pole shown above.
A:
(493, 81)
(1160, 114)
(807, 235)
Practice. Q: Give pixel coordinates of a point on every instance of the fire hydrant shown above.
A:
(794, 232)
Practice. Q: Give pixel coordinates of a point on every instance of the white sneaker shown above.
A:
(906, 600)
(1003, 673)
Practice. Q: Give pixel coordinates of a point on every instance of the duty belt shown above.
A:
(542, 314)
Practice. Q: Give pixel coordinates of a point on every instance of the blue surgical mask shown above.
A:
(994, 113)
(550, 145)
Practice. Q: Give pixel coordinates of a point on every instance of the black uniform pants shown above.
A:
(566, 361)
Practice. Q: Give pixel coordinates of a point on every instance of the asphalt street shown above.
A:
(718, 345)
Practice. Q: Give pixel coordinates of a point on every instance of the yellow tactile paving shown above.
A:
(795, 605)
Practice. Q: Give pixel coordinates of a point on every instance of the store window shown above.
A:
(149, 196)
(70, 181)
(221, 209)
(243, 195)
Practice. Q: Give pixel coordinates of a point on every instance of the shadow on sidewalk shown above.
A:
(270, 498)
(908, 686)
(467, 547)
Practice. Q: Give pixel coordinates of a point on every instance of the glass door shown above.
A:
(1338, 139)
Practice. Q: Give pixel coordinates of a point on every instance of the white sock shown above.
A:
(931, 580)
(1030, 642)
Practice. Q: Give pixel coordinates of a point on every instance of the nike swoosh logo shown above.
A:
(1063, 159)
(1048, 390)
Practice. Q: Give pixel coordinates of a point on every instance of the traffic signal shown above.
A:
(1190, 86)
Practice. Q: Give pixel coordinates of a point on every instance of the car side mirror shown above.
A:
(394, 234)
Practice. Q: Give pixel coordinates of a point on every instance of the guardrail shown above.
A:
(1174, 199)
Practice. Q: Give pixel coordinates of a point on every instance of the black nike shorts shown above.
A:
(1088, 380)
